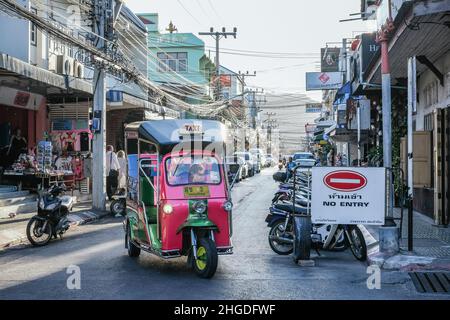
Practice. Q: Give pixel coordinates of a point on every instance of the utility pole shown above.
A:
(241, 77)
(217, 35)
(389, 232)
(106, 11)
(270, 125)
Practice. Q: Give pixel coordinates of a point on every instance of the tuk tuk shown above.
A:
(178, 197)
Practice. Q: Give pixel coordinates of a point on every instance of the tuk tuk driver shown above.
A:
(197, 174)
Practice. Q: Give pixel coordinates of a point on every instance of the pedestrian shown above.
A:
(289, 167)
(17, 145)
(123, 169)
(112, 170)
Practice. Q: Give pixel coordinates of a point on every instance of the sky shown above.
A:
(294, 30)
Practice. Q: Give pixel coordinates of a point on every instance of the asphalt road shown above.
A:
(252, 272)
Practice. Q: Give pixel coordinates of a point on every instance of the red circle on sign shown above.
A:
(346, 181)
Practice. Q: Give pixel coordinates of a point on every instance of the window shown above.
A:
(172, 62)
(33, 30)
(428, 122)
(192, 170)
(448, 84)
(431, 93)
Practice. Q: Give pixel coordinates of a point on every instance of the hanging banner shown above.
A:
(351, 195)
(323, 80)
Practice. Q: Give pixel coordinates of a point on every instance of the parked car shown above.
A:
(260, 158)
(304, 159)
(298, 156)
(244, 167)
(250, 161)
(235, 169)
(270, 161)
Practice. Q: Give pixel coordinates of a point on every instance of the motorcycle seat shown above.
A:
(288, 207)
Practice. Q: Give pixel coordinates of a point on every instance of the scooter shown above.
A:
(52, 218)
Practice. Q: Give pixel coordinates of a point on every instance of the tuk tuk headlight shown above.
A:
(228, 205)
(200, 207)
(167, 208)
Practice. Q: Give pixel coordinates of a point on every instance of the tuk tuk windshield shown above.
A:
(192, 170)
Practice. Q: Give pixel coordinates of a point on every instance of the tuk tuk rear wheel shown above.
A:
(205, 265)
(133, 250)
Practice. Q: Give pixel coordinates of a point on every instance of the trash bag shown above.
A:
(280, 176)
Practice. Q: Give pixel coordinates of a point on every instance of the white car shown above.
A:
(251, 163)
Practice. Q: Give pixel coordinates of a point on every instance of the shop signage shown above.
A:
(313, 108)
(350, 195)
(330, 59)
(21, 99)
(323, 80)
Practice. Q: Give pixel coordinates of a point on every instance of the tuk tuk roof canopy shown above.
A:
(167, 134)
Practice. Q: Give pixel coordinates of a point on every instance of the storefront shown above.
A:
(34, 100)
(60, 153)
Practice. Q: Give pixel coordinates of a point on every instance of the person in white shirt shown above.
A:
(112, 171)
(123, 168)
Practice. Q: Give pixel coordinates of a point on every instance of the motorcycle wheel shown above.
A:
(205, 265)
(36, 235)
(357, 243)
(117, 207)
(281, 249)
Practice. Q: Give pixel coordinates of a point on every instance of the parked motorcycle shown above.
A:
(51, 220)
(118, 203)
(291, 228)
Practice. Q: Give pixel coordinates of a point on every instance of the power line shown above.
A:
(188, 12)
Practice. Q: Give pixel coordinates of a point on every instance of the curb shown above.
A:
(9, 238)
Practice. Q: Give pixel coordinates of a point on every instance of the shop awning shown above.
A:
(318, 138)
(421, 33)
(117, 100)
(44, 81)
(343, 93)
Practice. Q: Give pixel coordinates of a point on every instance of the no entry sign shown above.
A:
(348, 195)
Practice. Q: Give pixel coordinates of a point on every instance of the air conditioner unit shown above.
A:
(53, 63)
(78, 69)
(64, 65)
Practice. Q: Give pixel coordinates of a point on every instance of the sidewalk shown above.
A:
(13, 230)
(431, 246)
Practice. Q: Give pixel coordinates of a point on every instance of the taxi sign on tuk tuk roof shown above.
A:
(166, 134)
(191, 128)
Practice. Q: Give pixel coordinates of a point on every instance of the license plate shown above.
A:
(197, 191)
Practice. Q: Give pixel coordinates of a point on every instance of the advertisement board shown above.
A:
(323, 80)
(348, 195)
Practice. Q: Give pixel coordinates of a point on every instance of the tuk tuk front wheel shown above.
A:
(205, 265)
